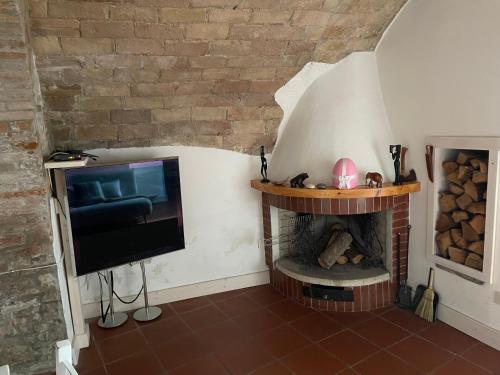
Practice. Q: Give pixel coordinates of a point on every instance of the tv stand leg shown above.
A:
(113, 319)
(146, 313)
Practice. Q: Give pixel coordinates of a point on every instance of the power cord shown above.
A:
(104, 314)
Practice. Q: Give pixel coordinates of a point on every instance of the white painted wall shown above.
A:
(439, 69)
(222, 221)
(333, 111)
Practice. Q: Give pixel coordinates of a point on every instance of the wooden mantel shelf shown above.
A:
(387, 190)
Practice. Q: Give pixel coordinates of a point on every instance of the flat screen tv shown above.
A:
(121, 213)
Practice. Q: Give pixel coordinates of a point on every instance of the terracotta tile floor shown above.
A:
(256, 331)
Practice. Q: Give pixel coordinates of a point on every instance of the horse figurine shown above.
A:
(374, 177)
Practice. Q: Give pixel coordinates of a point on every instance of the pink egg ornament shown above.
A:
(345, 174)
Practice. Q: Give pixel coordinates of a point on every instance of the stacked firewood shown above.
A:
(461, 221)
(338, 249)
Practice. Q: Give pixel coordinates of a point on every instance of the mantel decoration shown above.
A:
(345, 174)
(263, 168)
(395, 151)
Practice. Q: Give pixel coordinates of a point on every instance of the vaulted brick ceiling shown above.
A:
(186, 72)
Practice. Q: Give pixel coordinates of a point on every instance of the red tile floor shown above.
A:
(256, 331)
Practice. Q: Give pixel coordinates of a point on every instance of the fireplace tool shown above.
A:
(403, 298)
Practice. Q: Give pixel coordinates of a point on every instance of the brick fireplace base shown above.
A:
(366, 298)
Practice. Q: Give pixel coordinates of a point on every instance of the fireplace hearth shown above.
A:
(297, 224)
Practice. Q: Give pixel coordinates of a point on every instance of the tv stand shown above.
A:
(146, 313)
(112, 320)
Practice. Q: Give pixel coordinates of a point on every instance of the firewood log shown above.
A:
(457, 255)
(477, 208)
(354, 256)
(479, 177)
(474, 261)
(474, 163)
(463, 201)
(342, 259)
(447, 202)
(450, 166)
(459, 216)
(478, 223)
(456, 189)
(468, 233)
(479, 164)
(459, 241)
(483, 166)
(464, 172)
(337, 248)
(477, 247)
(463, 157)
(444, 241)
(475, 191)
(452, 177)
(444, 222)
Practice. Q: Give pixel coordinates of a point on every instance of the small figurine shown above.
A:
(298, 181)
(345, 174)
(412, 177)
(374, 177)
(395, 151)
(263, 168)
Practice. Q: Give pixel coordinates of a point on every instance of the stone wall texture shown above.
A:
(31, 318)
(124, 73)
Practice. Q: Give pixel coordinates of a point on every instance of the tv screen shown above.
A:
(122, 213)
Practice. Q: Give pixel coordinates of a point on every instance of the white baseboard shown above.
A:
(158, 297)
(471, 327)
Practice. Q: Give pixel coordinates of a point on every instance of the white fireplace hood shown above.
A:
(333, 111)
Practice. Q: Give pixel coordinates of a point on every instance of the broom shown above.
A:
(425, 308)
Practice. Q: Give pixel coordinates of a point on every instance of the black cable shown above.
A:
(54, 195)
(103, 314)
(117, 296)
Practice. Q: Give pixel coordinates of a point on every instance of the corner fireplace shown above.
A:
(296, 224)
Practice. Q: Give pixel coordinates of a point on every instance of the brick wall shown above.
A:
(30, 308)
(188, 72)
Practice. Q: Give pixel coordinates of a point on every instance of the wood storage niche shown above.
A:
(461, 226)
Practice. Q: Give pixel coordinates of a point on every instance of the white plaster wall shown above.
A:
(222, 221)
(330, 112)
(439, 66)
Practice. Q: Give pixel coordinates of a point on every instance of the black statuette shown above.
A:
(395, 150)
(263, 168)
